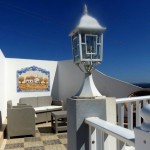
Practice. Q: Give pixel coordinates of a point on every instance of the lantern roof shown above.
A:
(88, 22)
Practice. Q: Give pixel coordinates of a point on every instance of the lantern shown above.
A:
(87, 49)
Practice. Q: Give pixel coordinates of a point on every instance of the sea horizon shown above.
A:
(143, 85)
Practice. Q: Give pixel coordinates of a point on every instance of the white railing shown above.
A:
(138, 139)
(98, 127)
(133, 106)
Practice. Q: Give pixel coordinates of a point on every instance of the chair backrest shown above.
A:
(20, 121)
(44, 101)
(29, 101)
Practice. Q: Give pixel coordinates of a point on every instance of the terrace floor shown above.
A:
(45, 139)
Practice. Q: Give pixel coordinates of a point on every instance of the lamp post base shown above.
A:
(88, 89)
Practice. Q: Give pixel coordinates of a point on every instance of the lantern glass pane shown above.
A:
(75, 47)
(84, 54)
(91, 44)
(97, 55)
(91, 48)
(99, 39)
(83, 38)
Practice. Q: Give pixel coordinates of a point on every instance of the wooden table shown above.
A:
(59, 120)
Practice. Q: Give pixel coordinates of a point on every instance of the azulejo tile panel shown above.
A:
(33, 79)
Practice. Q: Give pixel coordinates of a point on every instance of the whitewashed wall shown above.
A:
(2, 86)
(12, 65)
(65, 81)
(112, 87)
(71, 77)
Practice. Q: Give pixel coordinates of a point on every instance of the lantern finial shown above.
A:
(85, 10)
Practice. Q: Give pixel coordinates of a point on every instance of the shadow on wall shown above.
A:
(55, 89)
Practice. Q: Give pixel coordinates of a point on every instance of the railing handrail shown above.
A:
(123, 134)
(132, 99)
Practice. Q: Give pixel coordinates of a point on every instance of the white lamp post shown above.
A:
(87, 47)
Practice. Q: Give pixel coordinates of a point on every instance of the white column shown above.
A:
(142, 134)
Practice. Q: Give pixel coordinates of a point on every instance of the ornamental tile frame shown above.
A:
(33, 79)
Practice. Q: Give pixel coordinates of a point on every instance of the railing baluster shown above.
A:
(100, 140)
(120, 105)
(130, 116)
(138, 117)
(92, 138)
(120, 145)
(121, 114)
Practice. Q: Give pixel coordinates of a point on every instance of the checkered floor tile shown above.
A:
(45, 139)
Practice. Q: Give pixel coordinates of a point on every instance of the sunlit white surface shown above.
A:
(47, 108)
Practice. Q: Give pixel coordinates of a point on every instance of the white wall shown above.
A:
(2, 86)
(12, 65)
(65, 81)
(112, 87)
(71, 77)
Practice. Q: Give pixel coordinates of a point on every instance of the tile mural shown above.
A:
(33, 79)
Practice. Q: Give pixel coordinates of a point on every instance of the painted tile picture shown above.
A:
(33, 79)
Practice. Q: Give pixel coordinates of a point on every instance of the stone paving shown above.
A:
(45, 139)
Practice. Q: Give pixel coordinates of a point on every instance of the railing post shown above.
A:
(142, 134)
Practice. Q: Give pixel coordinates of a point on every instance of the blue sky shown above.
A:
(39, 29)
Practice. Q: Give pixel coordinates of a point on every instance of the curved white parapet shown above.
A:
(145, 114)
